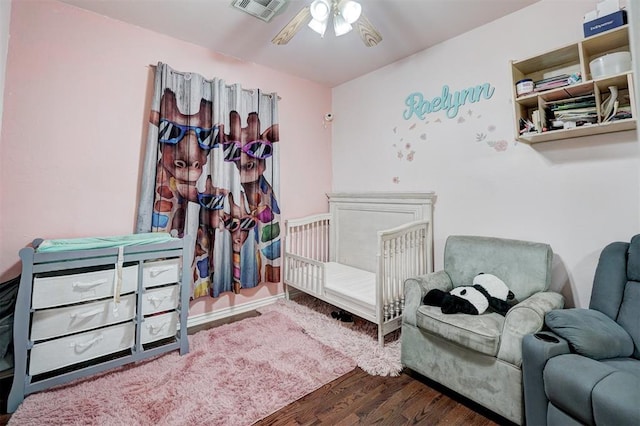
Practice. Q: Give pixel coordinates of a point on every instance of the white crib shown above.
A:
(357, 256)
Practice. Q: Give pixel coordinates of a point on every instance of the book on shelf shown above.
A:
(571, 112)
(556, 81)
(573, 103)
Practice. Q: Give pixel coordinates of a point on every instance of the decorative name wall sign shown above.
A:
(447, 101)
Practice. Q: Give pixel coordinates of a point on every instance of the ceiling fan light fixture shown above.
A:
(350, 10)
(346, 15)
(320, 10)
(319, 26)
(340, 25)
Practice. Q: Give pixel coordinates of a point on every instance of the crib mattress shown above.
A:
(343, 280)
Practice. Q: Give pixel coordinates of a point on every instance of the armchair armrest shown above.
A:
(524, 318)
(590, 333)
(417, 287)
(537, 349)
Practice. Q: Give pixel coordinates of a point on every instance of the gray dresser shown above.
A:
(83, 311)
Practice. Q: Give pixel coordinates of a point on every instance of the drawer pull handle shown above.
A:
(88, 285)
(155, 328)
(156, 301)
(81, 347)
(157, 270)
(87, 314)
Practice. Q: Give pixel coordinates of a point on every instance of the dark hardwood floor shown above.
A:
(360, 399)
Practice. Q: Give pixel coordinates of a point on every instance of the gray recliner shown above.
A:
(479, 356)
(586, 368)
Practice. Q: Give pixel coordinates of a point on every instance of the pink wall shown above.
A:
(76, 103)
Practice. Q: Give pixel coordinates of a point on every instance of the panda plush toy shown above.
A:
(488, 292)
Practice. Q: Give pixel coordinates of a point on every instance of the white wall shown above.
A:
(577, 195)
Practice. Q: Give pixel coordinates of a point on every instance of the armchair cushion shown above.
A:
(600, 394)
(478, 332)
(590, 333)
(615, 400)
(630, 366)
(569, 391)
(491, 333)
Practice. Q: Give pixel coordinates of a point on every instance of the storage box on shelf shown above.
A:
(605, 23)
(573, 60)
(80, 312)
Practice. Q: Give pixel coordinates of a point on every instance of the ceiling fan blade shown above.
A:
(369, 35)
(292, 27)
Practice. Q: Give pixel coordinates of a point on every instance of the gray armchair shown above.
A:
(479, 356)
(586, 369)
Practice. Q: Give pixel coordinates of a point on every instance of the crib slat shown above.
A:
(395, 244)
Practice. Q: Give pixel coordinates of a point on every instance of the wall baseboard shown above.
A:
(207, 317)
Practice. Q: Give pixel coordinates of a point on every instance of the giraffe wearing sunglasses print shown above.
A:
(249, 148)
(184, 142)
(211, 217)
(238, 223)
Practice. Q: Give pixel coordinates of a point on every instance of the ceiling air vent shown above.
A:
(261, 9)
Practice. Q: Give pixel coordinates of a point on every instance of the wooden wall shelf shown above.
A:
(574, 58)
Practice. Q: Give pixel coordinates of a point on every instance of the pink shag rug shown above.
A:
(357, 340)
(234, 374)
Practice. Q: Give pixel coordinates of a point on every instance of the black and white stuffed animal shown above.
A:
(487, 292)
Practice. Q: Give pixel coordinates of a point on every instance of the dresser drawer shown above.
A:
(161, 272)
(56, 322)
(160, 299)
(74, 288)
(159, 327)
(58, 353)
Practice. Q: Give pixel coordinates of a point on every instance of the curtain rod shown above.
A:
(185, 73)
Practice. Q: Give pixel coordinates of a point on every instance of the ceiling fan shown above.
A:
(345, 15)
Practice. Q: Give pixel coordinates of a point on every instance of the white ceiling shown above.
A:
(407, 27)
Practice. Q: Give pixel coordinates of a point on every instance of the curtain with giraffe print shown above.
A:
(211, 170)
